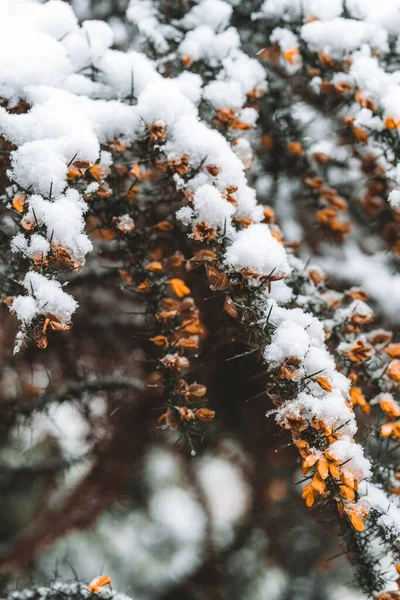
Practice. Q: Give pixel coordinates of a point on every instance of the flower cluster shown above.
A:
(147, 159)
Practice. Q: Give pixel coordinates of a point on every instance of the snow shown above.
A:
(290, 339)
(202, 43)
(36, 247)
(339, 35)
(255, 248)
(44, 296)
(208, 206)
(290, 9)
(394, 198)
(372, 272)
(143, 14)
(244, 70)
(285, 38)
(214, 13)
(63, 218)
(191, 523)
(224, 94)
(330, 410)
(225, 488)
(31, 57)
(347, 451)
(376, 498)
(307, 321)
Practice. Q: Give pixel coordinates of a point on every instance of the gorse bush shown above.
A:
(208, 191)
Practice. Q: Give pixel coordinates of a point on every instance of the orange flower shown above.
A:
(337, 202)
(343, 87)
(295, 148)
(205, 414)
(135, 170)
(324, 383)
(73, 174)
(195, 389)
(190, 343)
(218, 280)
(213, 170)
(229, 307)
(357, 397)
(393, 350)
(186, 414)
(390, 123)
(391, 429)
(179, 165)
(157, 132)
(160, 340)
(97, 172)
(326, 215)
(154, 266)
(364, 102)
(303, 447)
(195, 327)
(98, 582)
(28, 225)
(175, 362)
(321, 158)
(143, 287)
(356, 515)
(360, 135)
(277, 236)
(269, 214)
(164, 226)
(359, 351)
(348, 479)
(316, 276)
(203, 231)
(321, 465)
(54, 323)
(357, 294)
(125, 223)
(326, 59)
(169, 419)
(238, 125)
(390, 407)
(319, 484)
(309, 494)
(291, 55)
(393, 371)
(179, 287)
(272, 53)
(166, 315)
(347, 492)
(224, 116)
(287, 372)
(314, 182)
(267, 141)
(361, 319)
(170, 304)
(18, 202)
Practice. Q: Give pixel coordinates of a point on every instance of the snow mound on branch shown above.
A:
(255, 248)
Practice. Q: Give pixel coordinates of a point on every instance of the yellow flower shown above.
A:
(98, 582)
(179, 287)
